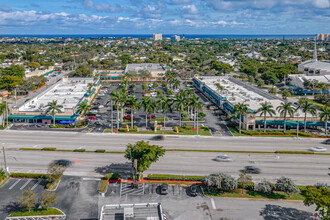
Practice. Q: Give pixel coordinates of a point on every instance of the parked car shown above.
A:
(91, 118)
(101, 106)
(164, 189)
(93, 111)
(128, 117)
(151, 116)
(318, 149)
(193, 190)
(252, 169)
(223, 158)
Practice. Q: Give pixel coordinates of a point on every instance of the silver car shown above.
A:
(318, 149)
(223, 158)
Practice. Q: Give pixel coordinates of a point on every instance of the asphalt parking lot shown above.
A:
(14, 188)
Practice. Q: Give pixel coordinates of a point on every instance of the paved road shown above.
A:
(70, 140)
(304, 169)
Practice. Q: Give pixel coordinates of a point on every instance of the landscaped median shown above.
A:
(51, 212)
(182, 150)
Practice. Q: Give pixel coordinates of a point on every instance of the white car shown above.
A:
(94, 111)
(223, 158)
(318, 149)
(101, 106)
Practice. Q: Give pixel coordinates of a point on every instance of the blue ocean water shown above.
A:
(188, 36)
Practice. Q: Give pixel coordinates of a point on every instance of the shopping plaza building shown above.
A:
(236, 91)
(69, 92)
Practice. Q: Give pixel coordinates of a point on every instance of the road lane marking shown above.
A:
(92, 179)
(35, 185)
(90, 130)
(219, 132)
(213, 204)
(25, 184)
(12, 186)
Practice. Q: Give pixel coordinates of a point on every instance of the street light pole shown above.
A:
(297, 129)
(4, 159)
(111, 117)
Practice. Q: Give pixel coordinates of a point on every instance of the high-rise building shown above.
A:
(157, 37)
(323, 37)
(175, 38)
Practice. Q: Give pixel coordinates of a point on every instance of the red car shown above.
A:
(151, 116)
(91, 118)
(128, 117)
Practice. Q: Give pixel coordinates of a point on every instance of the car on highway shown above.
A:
(223, 158)
(193, 190)
(252, 169)
(318, 149)
(128, 117)
(164, 189)
(158, 138)
(151, 116)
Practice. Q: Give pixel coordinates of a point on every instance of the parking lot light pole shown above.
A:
(111, 117)
(4, 159)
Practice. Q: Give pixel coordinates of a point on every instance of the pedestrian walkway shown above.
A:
(127, 189)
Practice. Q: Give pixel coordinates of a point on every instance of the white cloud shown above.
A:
(177, 2)
(190, 9)
(322, 3)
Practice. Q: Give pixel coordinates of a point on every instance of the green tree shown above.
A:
(284, 109)
(244, 178)
(221, 181)
(155, 85)
(135, 105)
(306, 106)
(240, 111)
(219, 87)
(325, 116)
(180, 104)
(165, 105)
(27, 199)
(265, 187)
(53, 107)
(285, 94)
(144, 153)
(34, 65)
(116, 97)
(14, 70)
(264, 110)
(9, 82)
(149, 106)
(83, 107)
(272, 90)
(48, 199)
(286, 185)
(54, 172)
(320, 197)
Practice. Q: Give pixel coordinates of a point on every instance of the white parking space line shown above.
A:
(35, 185)
(25, 184)
(12, 186)
(213, 204)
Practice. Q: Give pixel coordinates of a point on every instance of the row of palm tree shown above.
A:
(285, 109)
(3, 112)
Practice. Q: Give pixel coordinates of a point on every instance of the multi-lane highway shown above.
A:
(304, 169)
(118, 142)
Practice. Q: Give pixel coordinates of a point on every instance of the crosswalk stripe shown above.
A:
(17, 181)
(35, 185)
(25, 184)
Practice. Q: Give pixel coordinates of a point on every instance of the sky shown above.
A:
(164, 16)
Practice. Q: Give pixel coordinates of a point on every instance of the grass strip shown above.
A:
(222, 151)
(36, 212)
(103, 186)
(3, 181)
(251, 194)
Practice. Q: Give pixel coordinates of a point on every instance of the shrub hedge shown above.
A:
(174, 177)
(124, 129)
(99, 151)
(49, 149)
(29, 175)
(111, 176)
(248, 186)
(79, 150)
(293, 152)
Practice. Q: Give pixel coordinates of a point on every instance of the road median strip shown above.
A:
(100, 151)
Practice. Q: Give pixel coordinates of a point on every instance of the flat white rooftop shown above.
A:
(237, 91)
(68, 92)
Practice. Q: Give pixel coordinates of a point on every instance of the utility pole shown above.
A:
(297, 129)
(111, 117)
(197, 121)
(15, 96)
(4, 160)
(7, 113)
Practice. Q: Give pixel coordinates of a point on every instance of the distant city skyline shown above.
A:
(166, 16)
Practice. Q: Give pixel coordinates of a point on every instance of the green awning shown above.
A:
(291, 123)
(47, 117)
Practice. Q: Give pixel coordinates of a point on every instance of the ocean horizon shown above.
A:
(188, 36)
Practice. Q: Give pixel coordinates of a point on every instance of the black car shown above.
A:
(193, 190)
(158, 138)
(164, 189)
(252, 169)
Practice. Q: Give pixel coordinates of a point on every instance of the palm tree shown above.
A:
(325, 116)
(266, 109)
(165, 105)
(116, 96)
(240, 110)
(179, 105)
(189, 93)
(149, 105)
(306, 106)
(133, 102)
(2, 112)
(219, 87)
(176, 83)
(199, 106)
(53, 107)
(193, 102)
(83, 107)
(284, 109)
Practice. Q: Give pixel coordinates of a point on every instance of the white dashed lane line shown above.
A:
(213, 204)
